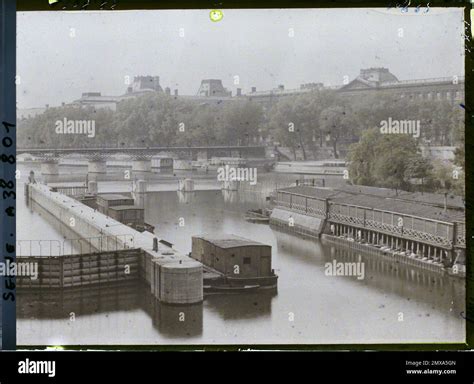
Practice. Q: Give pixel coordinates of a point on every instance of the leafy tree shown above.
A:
(418, 167)
(362, 158)
(382, 160)
(295, 122)
(238, 122)
(334, 123)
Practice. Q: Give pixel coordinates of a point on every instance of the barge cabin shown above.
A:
(239, 263)
(122, 208)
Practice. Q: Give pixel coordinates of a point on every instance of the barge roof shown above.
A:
(114, 196)
(126, 207)
(225, 240)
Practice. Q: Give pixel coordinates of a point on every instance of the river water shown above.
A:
(392, 304)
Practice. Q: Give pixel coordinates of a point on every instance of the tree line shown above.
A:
(305, 124)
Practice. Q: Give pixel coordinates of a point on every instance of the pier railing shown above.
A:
(304, 204)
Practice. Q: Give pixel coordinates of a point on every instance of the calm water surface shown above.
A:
(393, 304)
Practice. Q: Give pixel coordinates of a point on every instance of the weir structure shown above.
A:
(118, 253)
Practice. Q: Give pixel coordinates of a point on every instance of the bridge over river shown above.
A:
(147, 152)
(140, 156)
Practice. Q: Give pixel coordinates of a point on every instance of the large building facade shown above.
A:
(373, 81)
(212, 91)
(380, 79)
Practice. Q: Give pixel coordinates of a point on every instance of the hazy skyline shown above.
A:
(256, 45)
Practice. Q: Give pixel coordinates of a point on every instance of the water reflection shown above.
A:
(177, 320)
(82, 301)
(230, 196)
(74, 303)
(186, 197)
(327, 309)
(441, 291)
(245, 306)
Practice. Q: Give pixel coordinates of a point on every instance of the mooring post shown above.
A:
(155, 244)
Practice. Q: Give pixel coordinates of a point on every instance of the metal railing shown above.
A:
(80, 246)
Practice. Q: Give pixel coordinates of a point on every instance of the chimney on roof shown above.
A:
(47, 106)
(63, 104)
(281, 87)
(168, 91)
(254, 89)
(239, 91)
(176, 92)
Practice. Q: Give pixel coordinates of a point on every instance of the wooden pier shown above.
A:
(422, 226)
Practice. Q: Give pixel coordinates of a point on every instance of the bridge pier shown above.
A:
(50, 167)
(97, 166)
(186, 185)
(92, 187)
(140, 186)
(139, 192)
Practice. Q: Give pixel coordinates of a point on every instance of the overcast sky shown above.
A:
(254, 44)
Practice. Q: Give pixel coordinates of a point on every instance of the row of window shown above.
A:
(456, 95)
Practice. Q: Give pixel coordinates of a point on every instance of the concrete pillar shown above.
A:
(186, 185)
(140, 186)
(97, 166)
(93, 187)
(179, 282)
(50, 167)
(141, 165)
(139, 190)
